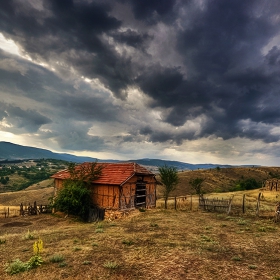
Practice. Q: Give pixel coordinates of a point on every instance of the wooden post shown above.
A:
(175, 202)
(35, 208)
(229, 206)
(191, 203)
(21, 209)
(243, 204)
(258, 204)
(8, 212)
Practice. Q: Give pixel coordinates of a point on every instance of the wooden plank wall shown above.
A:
(151, 192)
(127, 194)
(58, 184)
(105, 196)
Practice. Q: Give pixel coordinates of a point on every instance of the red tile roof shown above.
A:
(112, 173)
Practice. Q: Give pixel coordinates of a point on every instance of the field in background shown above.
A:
(223, 179)
(267, 203)
(41, 196)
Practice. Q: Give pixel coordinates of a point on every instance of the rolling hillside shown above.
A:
(223, 179)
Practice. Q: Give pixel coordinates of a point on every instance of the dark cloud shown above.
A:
(222, 47)
(43, 86)
(75, 137)
(206, 68)
(132, 38)
(71, 31)
(153, 10)
(27, 120)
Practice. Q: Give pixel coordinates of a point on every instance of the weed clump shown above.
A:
(127, 242)
(28, 235)
(2, 241)
(236, 258)
(36, 260)
(87, 262)
(56, 259)
(16, 266)
(111, 265)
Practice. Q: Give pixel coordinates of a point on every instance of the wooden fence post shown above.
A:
(21, 209)
(229, 206)
(258, 204)
(243, 204)
(35, 208)
(175, 202)
(191, 203)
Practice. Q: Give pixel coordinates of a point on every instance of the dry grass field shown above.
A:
(223, 179)
(155, 244)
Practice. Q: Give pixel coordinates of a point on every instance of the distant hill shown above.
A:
(11, 152)
(178, 164)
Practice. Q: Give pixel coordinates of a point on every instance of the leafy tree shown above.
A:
(85, 172)
(197, 184)
(3, 181)
(169, 178)
(74, 198)
(249, 184)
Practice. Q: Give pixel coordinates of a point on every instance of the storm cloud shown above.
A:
(157, 73)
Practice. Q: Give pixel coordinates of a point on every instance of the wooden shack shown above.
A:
(272, 184)
(121, 186)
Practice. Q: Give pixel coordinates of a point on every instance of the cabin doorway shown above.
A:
(140, 194)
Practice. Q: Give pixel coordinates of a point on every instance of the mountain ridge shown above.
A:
(10, 151)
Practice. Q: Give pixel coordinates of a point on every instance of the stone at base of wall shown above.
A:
(111, 214)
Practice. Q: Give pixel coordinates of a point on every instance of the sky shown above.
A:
(196, 81)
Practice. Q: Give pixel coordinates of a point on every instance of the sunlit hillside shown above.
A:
(222, 179)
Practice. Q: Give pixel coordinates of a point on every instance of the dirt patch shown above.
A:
(17, 224)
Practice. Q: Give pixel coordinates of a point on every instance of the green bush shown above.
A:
(73, 198)
(247, 184)
(16, 266)
(34, 262)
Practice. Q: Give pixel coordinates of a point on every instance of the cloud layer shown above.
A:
(144, 79)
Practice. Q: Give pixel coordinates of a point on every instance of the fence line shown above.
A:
(34, 209)
(215, 204)
(184, 202)
(237, 204)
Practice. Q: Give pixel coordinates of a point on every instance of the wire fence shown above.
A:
(237, 203)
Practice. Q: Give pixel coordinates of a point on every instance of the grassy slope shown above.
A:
(38, 192)
(222, 180)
